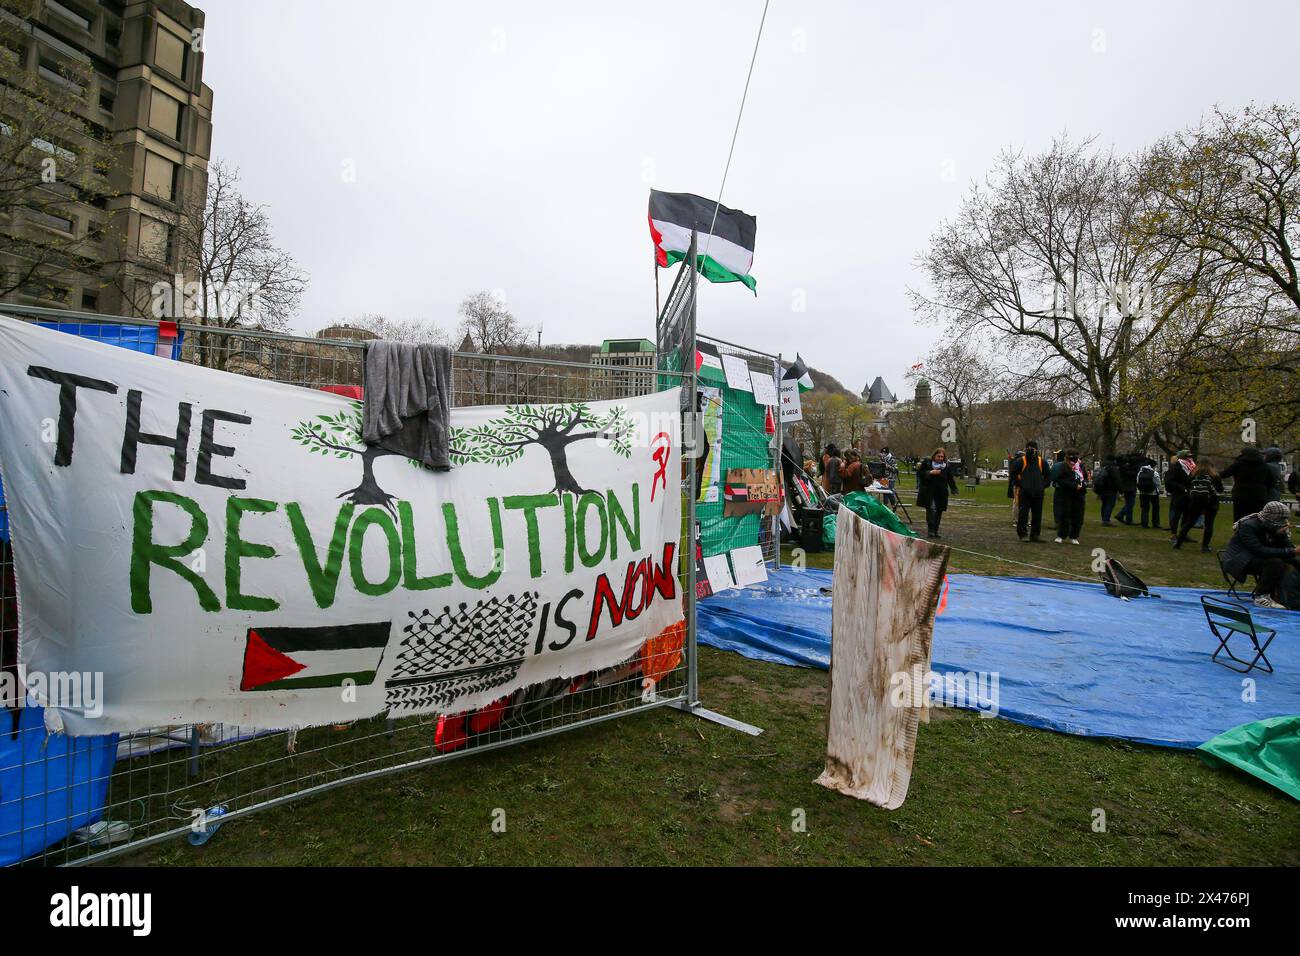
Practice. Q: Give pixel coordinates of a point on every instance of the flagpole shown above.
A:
(654, 264)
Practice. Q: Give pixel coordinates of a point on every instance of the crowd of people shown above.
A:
(1260, 544)
(1130, 488)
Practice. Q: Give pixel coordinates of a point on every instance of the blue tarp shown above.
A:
(49, 786)
(1069, 657)
(137, 338)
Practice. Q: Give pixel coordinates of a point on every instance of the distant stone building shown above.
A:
(345, 331)
(881, 401)
(922, 397)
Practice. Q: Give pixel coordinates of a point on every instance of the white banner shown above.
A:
(791, 403)
(223, 548)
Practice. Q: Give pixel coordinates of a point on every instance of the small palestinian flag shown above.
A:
(725, 256)
(288, 658)
(798, 372)
(706, 356)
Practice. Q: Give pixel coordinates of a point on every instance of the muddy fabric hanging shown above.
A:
(886, 588)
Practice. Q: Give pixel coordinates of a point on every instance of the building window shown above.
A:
(165, 115)
(170, 53)
(89, 300)
(155, 239)
(69, 14)
(58, 223)
(159, 176)
(53, 71)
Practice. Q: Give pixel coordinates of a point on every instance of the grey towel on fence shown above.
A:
(408, 399)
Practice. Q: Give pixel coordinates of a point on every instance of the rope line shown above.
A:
(736, 132)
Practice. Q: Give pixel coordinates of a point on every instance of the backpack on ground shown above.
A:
(1120, 582)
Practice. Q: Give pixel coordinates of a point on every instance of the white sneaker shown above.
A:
(1265, 601)
(1074, 541)
(1060, 541)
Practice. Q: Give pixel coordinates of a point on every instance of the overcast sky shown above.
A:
(511, 146)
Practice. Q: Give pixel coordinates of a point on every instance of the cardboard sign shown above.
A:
(751, 491)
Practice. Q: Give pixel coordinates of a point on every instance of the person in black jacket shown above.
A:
(1070, 481)
(1106, 483)
(1202, 502)
(1028, 482)
(1261, 545)
(933, 480)
(1273, 458)
(1177, 478)
(1127, 468)
(1252, 482)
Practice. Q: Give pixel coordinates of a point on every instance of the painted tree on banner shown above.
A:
(501, 441)
(339, 435)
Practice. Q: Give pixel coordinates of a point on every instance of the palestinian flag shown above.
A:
(287, 658)
(706, 356)
(798, 372)
(725, 256)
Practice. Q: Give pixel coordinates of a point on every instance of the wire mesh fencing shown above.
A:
(73, 800)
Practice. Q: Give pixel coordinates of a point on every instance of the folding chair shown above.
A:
(1227, 618)
(1228, 578)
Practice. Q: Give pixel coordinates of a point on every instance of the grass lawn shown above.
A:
(666, 788)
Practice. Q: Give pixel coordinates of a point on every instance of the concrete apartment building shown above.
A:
(627, 354)
(145, 64)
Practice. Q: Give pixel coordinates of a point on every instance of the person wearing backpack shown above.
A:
(1028, 483)
(1070, 496)
(1148, 486)
(1202, 502)
(1105, 482)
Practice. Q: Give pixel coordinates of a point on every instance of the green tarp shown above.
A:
(1268, 749)
(869, 507)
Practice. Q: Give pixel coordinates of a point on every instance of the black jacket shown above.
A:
(1029, 474)
(1128, 472)
(932, 490)
(1177, 480)
(1066, 481)
(1252, 479)
(1251, 540)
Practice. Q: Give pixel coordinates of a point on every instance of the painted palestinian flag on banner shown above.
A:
(283, 658)
(798, 372)
(726, 255)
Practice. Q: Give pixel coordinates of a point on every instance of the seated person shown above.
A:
(1261, 545)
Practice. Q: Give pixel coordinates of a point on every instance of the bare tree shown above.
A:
(1229, 189)
(410, 331)
(241, 279)
(491, 326)
(1050, 261)
(51, 162)
(964, 382)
